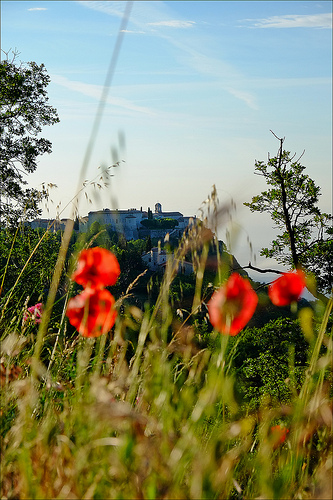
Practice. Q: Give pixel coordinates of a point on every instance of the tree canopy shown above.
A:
(166, 223)
(292, 202)
(24, 111)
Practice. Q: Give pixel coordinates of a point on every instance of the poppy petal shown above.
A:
(92, 312)
(287, 288)
(97, 267)
(232, 306)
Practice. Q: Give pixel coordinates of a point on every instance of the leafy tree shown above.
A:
(292, 202)
(24, 111)
(16, 248)
(263, 359)
(148, 245)
(166, 223)
(131, 266)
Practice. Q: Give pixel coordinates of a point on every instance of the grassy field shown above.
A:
(147, 410)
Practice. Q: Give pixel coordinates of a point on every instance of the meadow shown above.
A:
(155, 401)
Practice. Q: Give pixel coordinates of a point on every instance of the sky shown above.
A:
(196, 88)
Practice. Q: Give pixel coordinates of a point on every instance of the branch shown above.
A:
(262, 270)
(316, 294)
(297, 161)
(15, 53)
(278, 138)
(286, 215)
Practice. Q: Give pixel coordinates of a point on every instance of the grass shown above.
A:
(155, 417)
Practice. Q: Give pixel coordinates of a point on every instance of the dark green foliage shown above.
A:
(183, 287)
(24, 111)
(131, 266)
(148, 245)
(166, 223)
(7, 417)
(266, 357)
(16, 247)
(319, 259)
(266, 311)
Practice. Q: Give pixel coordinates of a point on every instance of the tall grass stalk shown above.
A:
(70, 223)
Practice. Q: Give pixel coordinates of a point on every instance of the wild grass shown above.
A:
(156, 415)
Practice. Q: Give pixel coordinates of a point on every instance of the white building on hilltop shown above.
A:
(121, 221)
(128, 222)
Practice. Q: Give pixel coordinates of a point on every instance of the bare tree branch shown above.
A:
(262, 270)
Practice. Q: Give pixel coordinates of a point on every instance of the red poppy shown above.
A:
(279, 435)
(92, 312)
(97, 267)
(287, 288)
(232, 306)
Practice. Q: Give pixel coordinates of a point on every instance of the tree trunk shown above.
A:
(285, 210)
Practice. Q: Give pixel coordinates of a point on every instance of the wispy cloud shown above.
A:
(143, 13)
(135, 32)
(95, 91)
(292, 21)
(37, 8)
(244, 96)
(147, 16)
(112, 8)
(174, 23)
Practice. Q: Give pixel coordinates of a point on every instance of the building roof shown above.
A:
(176, 215)
(116, 211)
(171, 214)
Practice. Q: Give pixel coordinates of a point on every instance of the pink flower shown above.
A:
(34, 313)
(92, 312)
(286, 289)
(232, 306)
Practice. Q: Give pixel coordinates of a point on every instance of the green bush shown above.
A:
(166, 223)
(264, 360)
(29, 256)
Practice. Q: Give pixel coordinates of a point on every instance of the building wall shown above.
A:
(127, 222)
(156, 259)
(122, 221)
(53, 224)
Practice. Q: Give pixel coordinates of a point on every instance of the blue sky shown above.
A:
(196, 90)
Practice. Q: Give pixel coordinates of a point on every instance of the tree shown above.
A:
(292, 202)
(24, 111)
(15, 250)
(148, 244)
(262, 361)
(166, 223)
